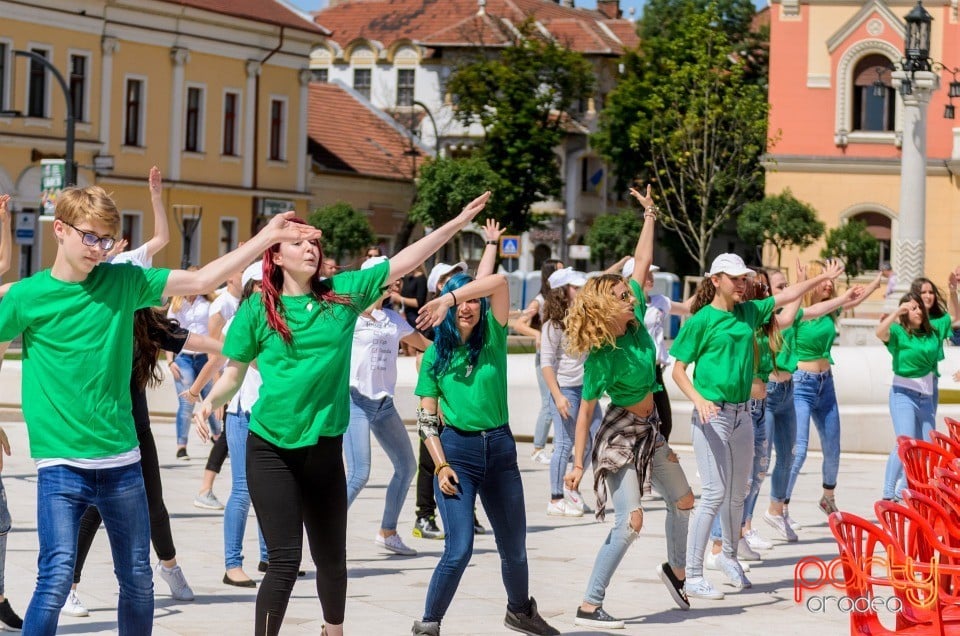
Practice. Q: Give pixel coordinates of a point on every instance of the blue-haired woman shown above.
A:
(465, 367)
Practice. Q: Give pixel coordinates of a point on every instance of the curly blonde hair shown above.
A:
(588, 324)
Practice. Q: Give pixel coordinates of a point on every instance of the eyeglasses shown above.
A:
(90, 239)
(624, 296)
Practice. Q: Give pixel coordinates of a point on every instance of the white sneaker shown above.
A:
(781, 526)
(394, 544)
(574, 497)
(710, 561)
(756, 541)
(701, 588)
(541, 456)
(563, 508)
(207, 500)
(73, 606)
(793, 523)
(732, 571)
(745, 552)
(179, 588)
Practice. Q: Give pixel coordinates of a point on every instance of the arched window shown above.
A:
(874, 100)
(880, 226)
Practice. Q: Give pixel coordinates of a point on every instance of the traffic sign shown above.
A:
(509, 247)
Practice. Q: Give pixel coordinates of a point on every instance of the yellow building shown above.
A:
(215, 94)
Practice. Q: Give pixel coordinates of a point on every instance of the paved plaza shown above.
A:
(387, 592)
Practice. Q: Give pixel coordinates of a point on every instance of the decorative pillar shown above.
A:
(179, 57)
(249, 122)
(108, 46)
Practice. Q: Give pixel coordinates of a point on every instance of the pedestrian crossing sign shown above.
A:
(509, 247)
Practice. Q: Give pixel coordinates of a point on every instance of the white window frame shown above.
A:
(195, 241)
(136, 235)
(284, 125)
(87, 84)
(234, 234)
(48, 78)
(142, 141)
(201, 117)
(843, 131)
(7, 80)
(237, 121)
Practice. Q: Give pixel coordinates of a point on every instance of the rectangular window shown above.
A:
(228, 235)
(37, 92)
(320, 75)
(361, 81)
(231, 102)
(130, 229)
(78, 86)
(277, 115)
(132, 134)
(4, 51)
(192, 141)
(406, 78)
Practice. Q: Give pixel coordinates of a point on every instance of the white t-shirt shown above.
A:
(225, 304)
(193, 317)
(553, 353)
(249, 392)
(138, 257)
(658, 313)
(373, 359)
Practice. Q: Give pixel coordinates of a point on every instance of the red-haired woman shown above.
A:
(295, 330)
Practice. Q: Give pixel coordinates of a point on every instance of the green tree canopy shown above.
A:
(346, 230)
(446, 186)
(613, 235)
(854, 246)
(523, 98)
(781, 220)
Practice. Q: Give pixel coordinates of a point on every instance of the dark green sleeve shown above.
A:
(427, 382)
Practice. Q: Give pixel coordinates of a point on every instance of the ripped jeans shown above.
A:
(761, 460)
(671, 482)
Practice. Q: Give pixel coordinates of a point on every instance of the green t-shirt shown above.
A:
(814, 338)
(78, 356)
(787, 356)
(914, 355)
(626, 371)
(471, 399)
(721, 343)
(306, 384)
(764, 355)
(943, 326)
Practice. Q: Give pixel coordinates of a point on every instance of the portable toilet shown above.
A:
(668, 285)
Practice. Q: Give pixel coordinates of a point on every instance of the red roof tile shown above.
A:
(455, 23)
(269, 11)
(350, 137)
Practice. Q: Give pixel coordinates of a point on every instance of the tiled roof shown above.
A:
(438, 23)
(275, 12)
(347, 135)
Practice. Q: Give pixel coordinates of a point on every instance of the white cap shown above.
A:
(729, 264)
(627, 271)
(567, 276)
(373, 261)
(253, 272)
(439, 271)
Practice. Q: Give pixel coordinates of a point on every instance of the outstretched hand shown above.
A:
(473, 208)
(433, 313)
(4, 446)
(492, 230)
(834, 268)
(645, 199)
(853, 294)
(201, 414)
(118, 246)
(4, 209)
(282, 230)
(156, 182)
(801, 271)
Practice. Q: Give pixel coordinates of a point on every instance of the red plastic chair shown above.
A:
(859, 541)
(953, 428)
(943, 516)
(920, 459)
(946, 442)
(948, 477)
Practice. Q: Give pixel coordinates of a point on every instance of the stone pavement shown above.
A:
(387, 592)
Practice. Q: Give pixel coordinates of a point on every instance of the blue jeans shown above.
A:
(814, 396)
(190, 365)
(238, 505)
(544, 419)
(913, 415)
(761, 459)
(781, 429)
(63, 493)
(564, 431)
(625, 492)
(723, 448)
(486, 465)
(5, 524)
(380, 417)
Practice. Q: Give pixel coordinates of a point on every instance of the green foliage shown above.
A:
(522, 98)
(345, 229)
(446, 186)
(854, 246)
(613, 235)
(781, 220)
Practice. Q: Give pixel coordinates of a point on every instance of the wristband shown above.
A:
(577, 467)
(455, 303)
(492, 243)
(439, 468)
(195, 396)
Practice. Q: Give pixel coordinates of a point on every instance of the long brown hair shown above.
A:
(925, 327)
(147, 323)
(703, 296)
(556, 303)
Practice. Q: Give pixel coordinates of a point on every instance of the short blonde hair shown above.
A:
(588, 324)
(91, 203)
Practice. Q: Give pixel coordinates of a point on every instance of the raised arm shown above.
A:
(952, 305)
(6, 234)
(496, 287)
(643, 254)
(161, 229)
(409, 257)
(491, 235)
(883, 329)
(850, 298)
(869, 289)
(617, 267)
(203, 281)
(795, 292)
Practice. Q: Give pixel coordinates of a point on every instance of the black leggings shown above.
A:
(662, 400)
(218, 454)
(160, 533)
(426, 504)
(292, 489)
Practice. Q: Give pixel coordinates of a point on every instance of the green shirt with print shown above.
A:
(626, 371)
(471, 398)
(305, 393)
(78, 357)
(814, 338)
(721, 343)
(915, 355)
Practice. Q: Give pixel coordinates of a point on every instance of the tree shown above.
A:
(855, 246)
(345, 229)
(781, 220)
(523, 98)
(613, 235)
(445, 186)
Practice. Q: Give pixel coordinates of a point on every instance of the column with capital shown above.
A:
(909, 248)
(179, 56)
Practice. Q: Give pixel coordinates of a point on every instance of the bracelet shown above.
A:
(576, 467)
(455, 303)
(195, 396)
(652, 209)
(440, 467)
(493, 242)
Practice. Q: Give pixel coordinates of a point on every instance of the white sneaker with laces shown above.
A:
(179, 588)
(793, 523)
(701, 588)
(781, 526)
(745, 552)
(732, 572)
(73, 606)
(563, 508)
(574, 497)
(710, 561)
(207, 500)
(394, 544)
(756, 541)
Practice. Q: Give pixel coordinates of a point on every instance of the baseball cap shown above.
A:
(440, 270)
(567, 276)
(729, 264)
(253, 272)
(373, 261)
(627, 271)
